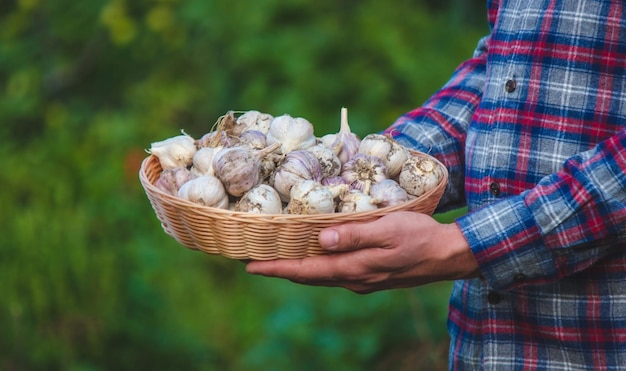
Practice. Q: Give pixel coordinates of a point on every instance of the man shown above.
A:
(533, 131)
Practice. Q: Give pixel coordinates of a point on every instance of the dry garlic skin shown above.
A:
(419, 176)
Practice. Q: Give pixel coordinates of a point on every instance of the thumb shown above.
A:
(347, 237)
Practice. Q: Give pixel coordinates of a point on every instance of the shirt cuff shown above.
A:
(508, 245)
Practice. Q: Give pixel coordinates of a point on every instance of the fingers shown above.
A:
(353, 236)
(327, 270)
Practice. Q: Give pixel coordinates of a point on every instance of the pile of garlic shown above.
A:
(257, 163)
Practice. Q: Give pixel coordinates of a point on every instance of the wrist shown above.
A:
(462, 262)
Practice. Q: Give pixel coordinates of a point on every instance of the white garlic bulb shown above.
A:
(392, 153)
(253, 120)
(419, 175)
(357, 201)
(362, 170)
(330, 163)
(292, 133)
(205, 190)
(175, 151)
(345, 143)
(261, 199)
(172, 179)
(297, 166)
(238, 168)
(202, 162)
(310, 197)
(389, 192)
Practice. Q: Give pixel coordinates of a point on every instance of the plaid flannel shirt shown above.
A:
(533, 131)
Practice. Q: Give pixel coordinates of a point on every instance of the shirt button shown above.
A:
(494, 188)
(519, 277)
(493, 297)
(510, 86)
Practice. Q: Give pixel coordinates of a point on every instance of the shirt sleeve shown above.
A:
(439, 126)
(566, 223)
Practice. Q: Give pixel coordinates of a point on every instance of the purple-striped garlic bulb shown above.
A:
(389, 193)
(238, 168)
(171, 180)
(297, 166)
(362, 170)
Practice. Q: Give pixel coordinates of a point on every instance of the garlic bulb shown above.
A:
(357, 201)
(253, 139)
(392, 153)
(202, 162)
(331, 165)
(419, 175)
(238, 168)
(310, 197)
(261, 199)
(344, 144)
(253, 120)
(205, 190)
(174, 152)
(292, 133)
(297, 166)
(172, 179)
(389, 192)
(362, 170)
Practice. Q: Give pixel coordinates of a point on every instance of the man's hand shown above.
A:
(402, 249)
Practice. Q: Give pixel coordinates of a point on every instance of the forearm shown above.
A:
(563, 225)
(439, 126)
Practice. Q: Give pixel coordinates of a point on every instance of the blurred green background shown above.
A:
(89, 280)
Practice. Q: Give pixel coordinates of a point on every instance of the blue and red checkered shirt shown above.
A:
(533, 131)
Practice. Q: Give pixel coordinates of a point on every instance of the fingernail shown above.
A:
(329, 239)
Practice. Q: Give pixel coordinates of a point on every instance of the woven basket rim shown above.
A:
(152, 161)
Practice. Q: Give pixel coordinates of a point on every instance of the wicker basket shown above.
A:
(240, 235)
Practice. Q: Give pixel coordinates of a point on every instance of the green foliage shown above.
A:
(89, 280)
